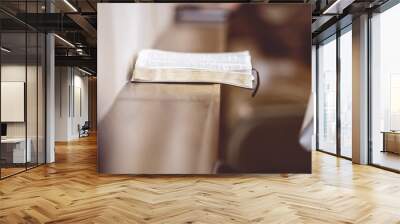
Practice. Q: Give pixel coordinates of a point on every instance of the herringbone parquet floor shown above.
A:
(70, 191)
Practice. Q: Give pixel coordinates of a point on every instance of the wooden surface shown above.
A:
(71, 191)
(391, 142)
(7, 171)
(385, 159)
(157, 128)
(154, 128)
(268, 142)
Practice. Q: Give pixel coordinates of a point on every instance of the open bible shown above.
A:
(232, 68)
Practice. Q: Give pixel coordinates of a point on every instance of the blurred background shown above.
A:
(277, 35)
(256, 134)
(261, 134)
(51, 46)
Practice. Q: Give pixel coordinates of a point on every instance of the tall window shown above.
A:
(327, 96)
(335, 137)
(385, 87)
(346, 93)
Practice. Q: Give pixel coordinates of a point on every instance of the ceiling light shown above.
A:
(79, 51)
(84, 71)
(5, 50)
(65, 41)
(70, 5)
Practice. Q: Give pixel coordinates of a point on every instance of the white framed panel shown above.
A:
(12, 101)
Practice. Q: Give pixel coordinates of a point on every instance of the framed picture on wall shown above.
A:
(12, 101)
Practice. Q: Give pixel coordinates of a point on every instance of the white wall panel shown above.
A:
(12, 101)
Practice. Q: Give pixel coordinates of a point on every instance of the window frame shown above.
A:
(333, 37)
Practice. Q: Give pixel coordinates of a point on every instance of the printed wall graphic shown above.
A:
(166, 111)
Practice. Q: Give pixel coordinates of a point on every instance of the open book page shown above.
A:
(163, 66)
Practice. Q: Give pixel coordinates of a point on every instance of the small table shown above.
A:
(16, 153)
(391, 141)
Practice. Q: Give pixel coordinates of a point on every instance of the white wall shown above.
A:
(12, 73)
(80, 83)
(61, 103)
(33, 127)
(67, 115)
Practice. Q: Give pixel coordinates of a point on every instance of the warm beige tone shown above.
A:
(71, 191)
(392, 142)
(154, 128)
(161, 129)
(5, 172)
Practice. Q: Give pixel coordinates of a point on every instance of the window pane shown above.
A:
(327, 97)
(385, 114)
(14, 153)
(22, 90)
(41, 98)
(346, 94)
(31, 100)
